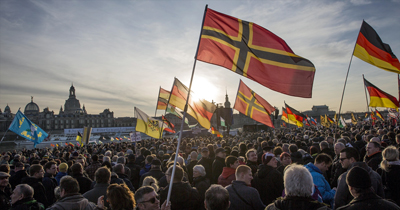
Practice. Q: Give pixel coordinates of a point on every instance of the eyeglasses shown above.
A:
(152, 200)
(342, 159)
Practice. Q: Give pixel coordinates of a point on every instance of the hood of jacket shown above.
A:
(227, 171)
(72, 202)
(312, 168)
(264, 170)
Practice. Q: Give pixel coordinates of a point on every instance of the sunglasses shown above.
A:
(152, 200)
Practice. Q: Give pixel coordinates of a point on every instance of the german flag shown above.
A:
(212, 130)
(373, 115)
(171, 127)
(295, 116)
(256, 53)
(379, 114)
(285, 117)
(252, 105)
(379, 98)
(371, 49)
(330, 120)
(163, 97)
(199, 109)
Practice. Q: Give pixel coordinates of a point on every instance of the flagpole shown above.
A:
(366, 98)
(348, 69)
(158, 98)
(184, 111)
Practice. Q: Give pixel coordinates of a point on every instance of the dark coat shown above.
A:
(217, 167)
(336, 171)
(369, 201)
(4, 199)
(183, 196)
(27, 204)
(253, 166)
(135, 177)
(249, 194)
(201, 183)
(391, 180)
(84, 183)
(49, 183)
(296, 203)
(227, 176)
(189, 168)
(269, 183)
(207, 164)
(154, 172)
(97, 191)
(374, 160)
(91, 169)
(38, 188)
(128, 183)
(16, 179)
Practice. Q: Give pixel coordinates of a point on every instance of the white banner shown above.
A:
(135, 136)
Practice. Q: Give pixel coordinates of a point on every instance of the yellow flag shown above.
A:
(149, 126)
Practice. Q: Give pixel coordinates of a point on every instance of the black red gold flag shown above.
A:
(199, 109)
(295, 115)
(171, 127)
(252, 105)
(379, 98)
(379, 114)
(256, 53)
(371, 49)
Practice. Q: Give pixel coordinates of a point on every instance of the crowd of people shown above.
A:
(356, 167)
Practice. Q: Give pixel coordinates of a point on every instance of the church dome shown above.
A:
(31, 108)
(7, 109)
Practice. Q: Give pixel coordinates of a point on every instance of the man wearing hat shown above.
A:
(62, 171)
(268, 181)
(155, 171)
(365, 198)
(4, 197)
(206, 162)
(218, 164)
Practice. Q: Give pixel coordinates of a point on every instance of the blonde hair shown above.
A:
(151, 181)
(389, 154)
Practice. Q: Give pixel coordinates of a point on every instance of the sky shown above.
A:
(117, 54)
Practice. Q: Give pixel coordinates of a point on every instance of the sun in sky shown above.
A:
(204, 89)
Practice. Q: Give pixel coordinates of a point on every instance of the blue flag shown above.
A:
(22, 126)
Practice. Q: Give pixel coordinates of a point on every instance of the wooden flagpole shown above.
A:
(184, 112)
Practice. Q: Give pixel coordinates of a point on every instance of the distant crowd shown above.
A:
(355, 167)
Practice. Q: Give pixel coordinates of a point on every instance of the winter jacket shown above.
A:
(391, 181)
(59, 176)
(369, 201)
(135, 174)
(40, 191)
(91, 169)
(84, 183)
(183, 197)
(253, 166)
(343, 195)
(227, 176)
(189, 168)
(207, 164)
(73, 201)
(154, 172)
(374, 160)
(49, 184)
(27, 204)
(323, 186)
(16, 179)
(4, 199)
(128, 183)
(239, 191)
(146, 169)
(97, 191)
(201, 183)
(296, 203)
(269, 183)
(217, 168)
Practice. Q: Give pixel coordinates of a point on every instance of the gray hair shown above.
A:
(323, 145)
(26, 190)
(200, 169)
(298, 181)
(106, 158)
(121, 160)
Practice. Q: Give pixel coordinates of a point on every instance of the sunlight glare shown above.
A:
(204, 89)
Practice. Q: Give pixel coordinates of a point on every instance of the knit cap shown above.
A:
(358, 177)
(267, 157)
(63, 167)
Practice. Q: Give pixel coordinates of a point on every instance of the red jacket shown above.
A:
(227, 176)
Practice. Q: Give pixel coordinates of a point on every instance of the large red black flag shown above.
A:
(371, 49)
(256, 53)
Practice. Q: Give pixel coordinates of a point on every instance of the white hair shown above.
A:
(200, 169)
(298, 181)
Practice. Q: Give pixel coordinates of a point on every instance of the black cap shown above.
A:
(358, 177)
(219, 149)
